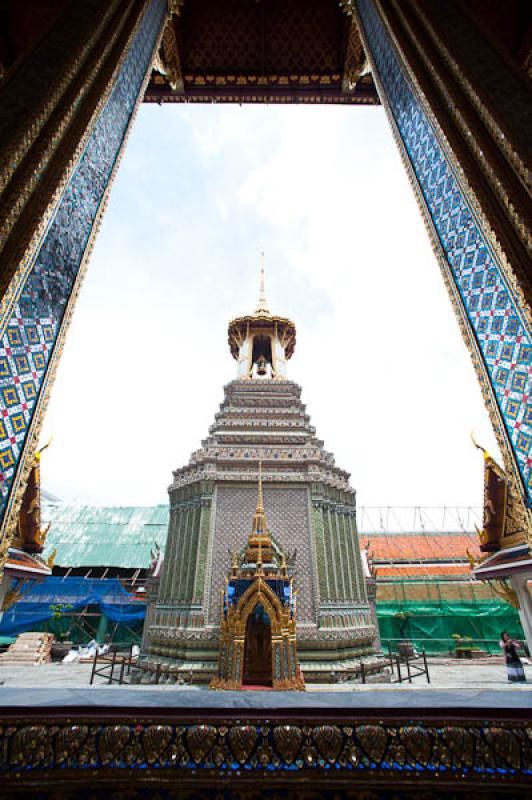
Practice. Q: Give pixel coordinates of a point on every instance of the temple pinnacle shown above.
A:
(262, 307)
(259, 547)
(259, 520)
(260, 499)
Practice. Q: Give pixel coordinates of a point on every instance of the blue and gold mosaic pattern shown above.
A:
(463, 754)
(31, 332)
(492, 311)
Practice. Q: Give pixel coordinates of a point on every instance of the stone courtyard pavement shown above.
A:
(445, 673)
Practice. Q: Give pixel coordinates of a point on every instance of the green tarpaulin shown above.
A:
(432, 625)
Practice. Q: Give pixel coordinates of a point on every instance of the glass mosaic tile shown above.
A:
(31, 332)
(490, 306)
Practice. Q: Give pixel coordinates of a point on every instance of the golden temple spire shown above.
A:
(259, 550)
(262, 307)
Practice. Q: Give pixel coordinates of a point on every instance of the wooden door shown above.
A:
(258, 649)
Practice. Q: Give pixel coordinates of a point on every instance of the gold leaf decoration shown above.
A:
(287, 739)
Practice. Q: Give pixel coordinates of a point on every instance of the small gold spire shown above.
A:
(259, 520)
(259, 558)
(262, 307)
(259, 547)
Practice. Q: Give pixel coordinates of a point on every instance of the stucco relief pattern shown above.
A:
(493, 313)
(31, 332)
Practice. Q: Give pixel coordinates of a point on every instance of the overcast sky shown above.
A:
(201, 191)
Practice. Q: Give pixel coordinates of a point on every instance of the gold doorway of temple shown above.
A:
(258, 649)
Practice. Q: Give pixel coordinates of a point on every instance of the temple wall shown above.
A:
(183, 575)
(287, 510)
(337, 549)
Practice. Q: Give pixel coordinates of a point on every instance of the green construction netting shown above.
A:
(80, 629)
(431, 625)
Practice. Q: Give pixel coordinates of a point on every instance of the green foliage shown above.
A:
(58, 624)
(58, 608)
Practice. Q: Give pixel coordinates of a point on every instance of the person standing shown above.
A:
(516, 673)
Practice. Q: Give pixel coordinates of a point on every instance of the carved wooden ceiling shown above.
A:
(275, 51)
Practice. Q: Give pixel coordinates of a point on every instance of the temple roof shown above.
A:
(261, 319)
(238, 326)
(505, 563)
(422, 571)
(256, 51)
(115, 536)
(25, 565)
(413, 555)
(263, 421)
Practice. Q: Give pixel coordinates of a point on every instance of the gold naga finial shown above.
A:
(504, 590)
(40, 536)
(51, 558)
(43, 448)
(479, 447)
(471, 558)
(262, 307)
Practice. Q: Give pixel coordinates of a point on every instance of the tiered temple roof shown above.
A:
(272, 417)
(414, 555)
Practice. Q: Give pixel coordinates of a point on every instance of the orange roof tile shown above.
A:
(422, 571)
(396, 547)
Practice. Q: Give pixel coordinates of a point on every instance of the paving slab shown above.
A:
(412, 700)
(444, 674)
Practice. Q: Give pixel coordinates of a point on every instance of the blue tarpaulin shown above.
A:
(39, 603)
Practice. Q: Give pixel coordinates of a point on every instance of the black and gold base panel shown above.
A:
(101, 752)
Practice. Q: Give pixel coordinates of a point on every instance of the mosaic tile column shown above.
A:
(38, 301)
(457, 196)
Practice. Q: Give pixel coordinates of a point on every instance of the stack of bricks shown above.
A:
(28, 650)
